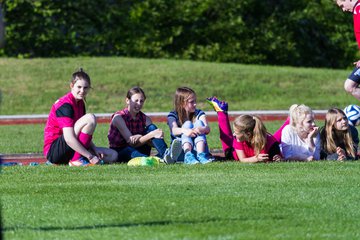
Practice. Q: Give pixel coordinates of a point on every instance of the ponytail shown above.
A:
(259, 135)
(254, 130)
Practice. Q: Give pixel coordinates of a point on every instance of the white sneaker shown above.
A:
(172, 154)
(175, 149)
(167, 157)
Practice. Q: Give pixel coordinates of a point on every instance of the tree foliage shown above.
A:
(312, 33)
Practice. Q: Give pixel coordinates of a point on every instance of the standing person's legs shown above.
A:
(84, 129)
(351, 84)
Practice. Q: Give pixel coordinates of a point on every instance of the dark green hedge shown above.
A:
(312, 33)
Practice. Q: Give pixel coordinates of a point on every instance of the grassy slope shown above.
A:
(30, 86)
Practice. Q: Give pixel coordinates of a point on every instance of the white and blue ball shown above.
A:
(353, 114)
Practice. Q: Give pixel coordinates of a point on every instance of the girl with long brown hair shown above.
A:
(189, 125)
(337, 140)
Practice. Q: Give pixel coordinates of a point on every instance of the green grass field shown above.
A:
(229, 200)
(222, 200)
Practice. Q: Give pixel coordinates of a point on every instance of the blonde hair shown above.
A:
(253, 126)
(298, 113)
(182, 94)
(331, 137)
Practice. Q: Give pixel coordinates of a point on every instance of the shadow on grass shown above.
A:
(100, 226)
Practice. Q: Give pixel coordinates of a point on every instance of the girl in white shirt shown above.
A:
(300, 141)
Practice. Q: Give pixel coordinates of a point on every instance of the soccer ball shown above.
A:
(353, 114)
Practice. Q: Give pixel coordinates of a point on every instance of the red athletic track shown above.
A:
(26, 159)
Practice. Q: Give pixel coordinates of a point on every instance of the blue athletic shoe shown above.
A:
(202, 157)
(219, 106)
(190, 158)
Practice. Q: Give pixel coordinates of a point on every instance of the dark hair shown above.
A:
(80, 75)
(135, 90)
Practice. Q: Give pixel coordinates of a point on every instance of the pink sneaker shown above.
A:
(80, 162)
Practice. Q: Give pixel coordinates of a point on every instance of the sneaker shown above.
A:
(80, 162)
(176, 149)
(202, 157)
(50, 163)
(190, 158)
(172, 154)
(167, 157)
(219, 106)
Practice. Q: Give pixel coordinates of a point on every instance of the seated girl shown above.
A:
(250, 141)
(132, 133)
(337, 140)
(189, 126)
(69, 129)
(300, 140)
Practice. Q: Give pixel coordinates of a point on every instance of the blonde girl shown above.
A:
(337, 140)
(189, 125)
(250, 142)
(300, 140)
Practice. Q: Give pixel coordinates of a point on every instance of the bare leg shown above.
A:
(86, 124)
(352, 88)
(187, 147)
(84, 129)
(200, 146)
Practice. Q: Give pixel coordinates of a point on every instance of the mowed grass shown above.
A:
(222, 200)
(31, 86)
(317, 200)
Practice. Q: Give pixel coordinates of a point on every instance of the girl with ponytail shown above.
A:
(250, 142)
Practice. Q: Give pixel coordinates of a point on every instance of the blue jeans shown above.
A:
(125, 154)
(193, 140)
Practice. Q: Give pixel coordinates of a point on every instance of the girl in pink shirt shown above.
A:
(68, 131)
(250, 142)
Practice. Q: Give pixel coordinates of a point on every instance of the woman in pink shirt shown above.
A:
(68, 131)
